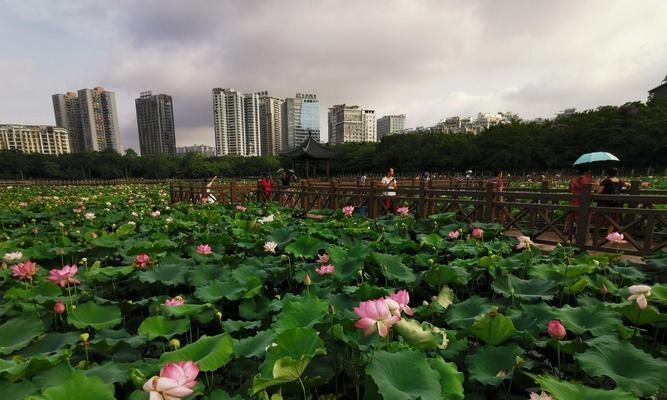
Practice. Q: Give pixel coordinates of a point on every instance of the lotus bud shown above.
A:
(596, 263)
(218, 315)
(306, 280)
(84, 337)
(603, 289)
(73, 306)
(59, 307)
(138, 378)
(113, 226)
(501, 374)
(175, 344)
(425, 303)
(332, 309)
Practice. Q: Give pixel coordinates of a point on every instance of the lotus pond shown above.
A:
(113, 293)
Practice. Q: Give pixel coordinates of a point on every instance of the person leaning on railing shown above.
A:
(210, 198)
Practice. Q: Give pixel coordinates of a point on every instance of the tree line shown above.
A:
(635, 132)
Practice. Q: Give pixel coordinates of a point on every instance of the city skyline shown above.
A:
(533, 58)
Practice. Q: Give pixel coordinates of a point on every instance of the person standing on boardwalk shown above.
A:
(611, 184)
(266, 184)
(575, 187)
(210, 197)
(498, 188)
(389, 184)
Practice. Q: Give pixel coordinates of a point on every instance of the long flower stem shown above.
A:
(303, 388)
(634, 332)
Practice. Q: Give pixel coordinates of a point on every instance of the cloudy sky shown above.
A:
(427, 59)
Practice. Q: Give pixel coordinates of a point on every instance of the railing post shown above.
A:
(421, 209)
(488, 211)
(304, 194)
(334, 200)
(233, 192)
(260, 192)
(583, 211)
(372, 201)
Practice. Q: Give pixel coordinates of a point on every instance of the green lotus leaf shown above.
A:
(464, 314)
(405, 374)
(159, 326)
(112, 372)
(41, 293)
(281, 236)
(170, 275)
(532, 318)
(216, 290)
(114, 338)
(659, 294)
(232, 326)
(530, 290)
(205, 275)
(209, 352)
(297, 343)
(440, 275)
(348, 262)
(632, 313)
(18, 367)
(445, 297)
(422, 336)
(577, 287)
(451, 380)
(431, 240)
(596, 319)
(17, 333)
(576, 391)
(393, 268)
(304, 246)
(493, 328)
(491, 365)
(95, 316)
(54, 375)
(109, 241)
(80, 387)
(16, 391)
(51, 342)
(632, 369)
(254, 346)
(202, 312)
(301, 313)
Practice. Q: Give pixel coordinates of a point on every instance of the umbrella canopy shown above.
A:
(594, 157)
(283, 169)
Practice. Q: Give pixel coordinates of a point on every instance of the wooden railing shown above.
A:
(541, 213)
(82, 182)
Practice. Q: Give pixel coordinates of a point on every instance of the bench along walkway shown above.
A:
(540, 213)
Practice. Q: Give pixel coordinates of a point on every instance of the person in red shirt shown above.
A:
(266, 183)
(576, 184)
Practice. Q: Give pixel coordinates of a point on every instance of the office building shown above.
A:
(390, 125)
(301, 118)
(270, 124)
(42, 139)
(90, 117)
(351, 124)
(155, 121)
(659, 93)
(236, 123)
(205, 151)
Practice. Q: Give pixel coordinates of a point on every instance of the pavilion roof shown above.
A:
(310, 149)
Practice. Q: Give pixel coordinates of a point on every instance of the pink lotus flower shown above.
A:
(616, 237)
(240, 208)
(270, 247)
(375, 314)
(541, 396)
(306, 280)
(325, 269)
(639, 294)
(348, 210)
(453, 235)
(204, 249)
(403, 211)
(556, 329)
(524, 242)
(89, 216)
(477, 233)
(24, 270)
(64, 276)
(142, 260)
(23, 204)
(174, 302)
(59, 307)
(322, 258)
(398, 302)
(76, 210)
(176, 380)
(155, 214)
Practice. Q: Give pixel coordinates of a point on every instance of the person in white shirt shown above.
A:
(389, 184)
(210, 197)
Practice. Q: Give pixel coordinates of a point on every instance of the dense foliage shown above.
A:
(254, 301)
(635, 132)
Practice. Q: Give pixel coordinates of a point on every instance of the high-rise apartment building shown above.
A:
(155, 121)
(301, 118)
(270, 124)
(390, 124)
(368, 126)
(90, 117)
(236, 123)
(34, 139)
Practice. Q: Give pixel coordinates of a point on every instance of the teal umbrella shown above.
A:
(594, 157)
